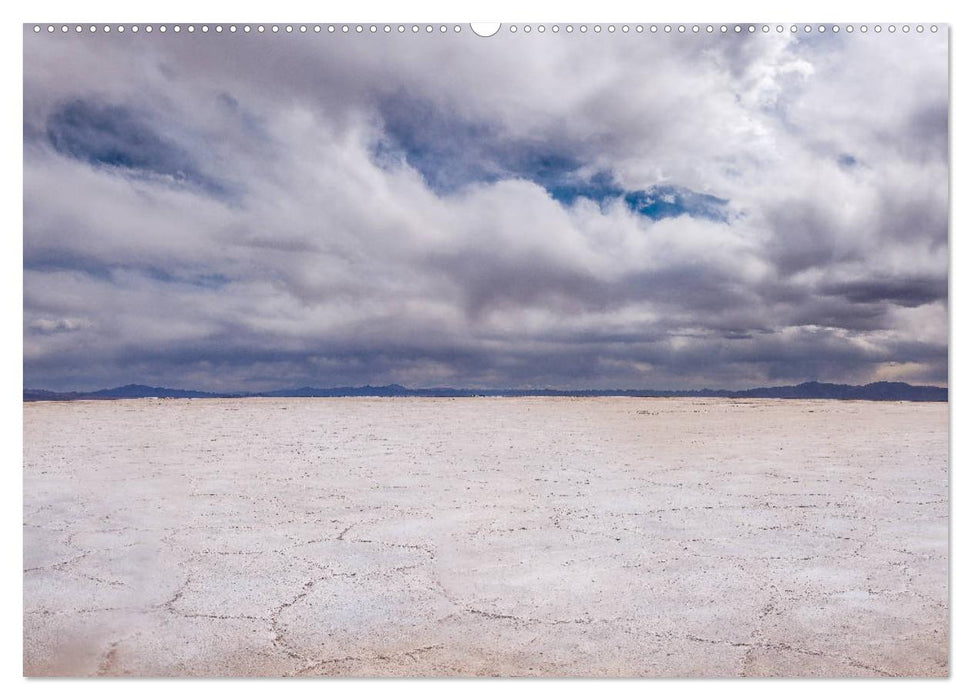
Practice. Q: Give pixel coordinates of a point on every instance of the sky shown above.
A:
(236, 212)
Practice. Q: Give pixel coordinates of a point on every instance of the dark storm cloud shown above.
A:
(832, 313)
(806, 235)
(449, 211)
(694, 290)
(925, 136)
(907, 291)
(486, 282)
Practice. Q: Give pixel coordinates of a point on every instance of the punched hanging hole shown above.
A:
(485, 29)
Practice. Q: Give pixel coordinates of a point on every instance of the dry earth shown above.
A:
(527, 536)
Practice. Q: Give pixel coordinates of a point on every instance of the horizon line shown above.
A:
(879, 390)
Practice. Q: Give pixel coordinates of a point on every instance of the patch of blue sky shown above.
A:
(664, 201)
(114, 136)
(60, 261)
(450, 153)
(847, 160)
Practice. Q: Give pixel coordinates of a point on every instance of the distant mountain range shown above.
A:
(877, 391)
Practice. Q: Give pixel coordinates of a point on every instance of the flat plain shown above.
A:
(486, 536)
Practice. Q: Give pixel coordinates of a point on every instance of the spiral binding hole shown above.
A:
(512, 29)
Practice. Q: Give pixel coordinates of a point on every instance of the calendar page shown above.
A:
(511, 350)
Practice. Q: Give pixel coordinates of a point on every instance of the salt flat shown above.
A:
(483, 536)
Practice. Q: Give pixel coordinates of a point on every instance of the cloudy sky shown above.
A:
(246, 212)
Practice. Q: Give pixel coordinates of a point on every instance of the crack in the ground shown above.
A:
(542, 621)
(169, 604)
(279, 641)
(769, 646)
(427, 549)
(57, 566)
(410, 653)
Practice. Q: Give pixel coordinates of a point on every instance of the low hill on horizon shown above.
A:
(876, 391)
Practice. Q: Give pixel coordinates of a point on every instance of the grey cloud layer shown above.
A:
(251, 212)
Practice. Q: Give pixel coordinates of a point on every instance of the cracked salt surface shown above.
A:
(457, 537)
